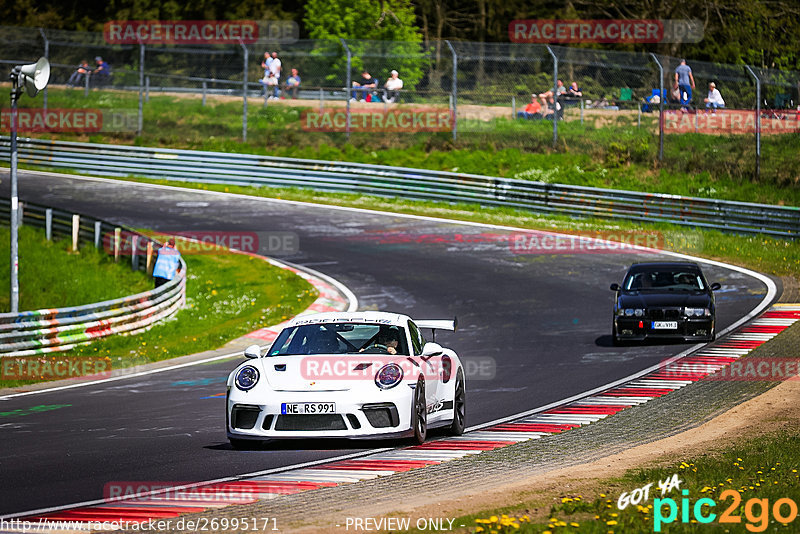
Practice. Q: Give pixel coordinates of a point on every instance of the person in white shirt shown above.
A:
(714, 99)
(275, 69)
(392, 87)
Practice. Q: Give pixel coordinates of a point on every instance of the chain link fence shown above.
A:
(484, 87)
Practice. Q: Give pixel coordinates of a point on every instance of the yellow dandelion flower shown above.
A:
(611, 523)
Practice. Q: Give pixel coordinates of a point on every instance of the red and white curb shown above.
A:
(551, 421)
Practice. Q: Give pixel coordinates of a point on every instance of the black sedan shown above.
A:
(664, 300)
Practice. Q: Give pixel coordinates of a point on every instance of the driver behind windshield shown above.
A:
(386, 341)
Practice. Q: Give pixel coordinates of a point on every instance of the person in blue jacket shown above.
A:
(168, 263)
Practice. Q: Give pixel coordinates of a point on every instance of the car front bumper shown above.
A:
(633, 328)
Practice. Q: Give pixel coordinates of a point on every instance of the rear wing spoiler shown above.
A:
(438, 324)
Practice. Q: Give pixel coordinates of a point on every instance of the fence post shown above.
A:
(347, 88)
(76, 227)
(149, 259)
(555, 96)
(582, 105)
(321, 101)
(454, 90)
(134, 253)
(48, 224)
(97, 233)
(660, 108)
(47, 55)
(758, 120)
(20, 213)
(141, 89)
(205, 88)
(147, 88)
(244, 92)
(513, 107)
(117, 235)
(86, 84)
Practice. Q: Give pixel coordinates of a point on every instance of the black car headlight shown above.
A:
(246, 378)
(697, 312)
(388, 376)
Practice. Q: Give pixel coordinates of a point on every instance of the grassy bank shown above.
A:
(613, 153)
(764, 469)
(51, 276)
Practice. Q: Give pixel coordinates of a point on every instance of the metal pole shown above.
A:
(141, 90)
(582, 106)
(513, 107)
(244, 92)
(147, 88)
(660, 108)
(555, 96)
(97, 233)
(205, 87)
(48, 224)
(758, 120)
(86, 84)
(321, 101)
(454, 90)
(15, 93)
(47, 55)
(348, 87)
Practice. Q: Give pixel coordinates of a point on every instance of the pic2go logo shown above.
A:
(756, 511)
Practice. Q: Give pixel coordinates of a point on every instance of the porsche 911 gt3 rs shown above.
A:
(347, 375)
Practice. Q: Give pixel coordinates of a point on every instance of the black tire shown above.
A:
(459, 406)
(419, 414)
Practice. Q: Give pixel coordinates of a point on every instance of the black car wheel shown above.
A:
(419, 415)
(459, 406)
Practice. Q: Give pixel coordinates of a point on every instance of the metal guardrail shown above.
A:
(50, 330)
(267, 171)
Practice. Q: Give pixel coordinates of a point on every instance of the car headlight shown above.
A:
(629, 312)
(638, 312)
(246, 378)
(697, 312)
(388, 376)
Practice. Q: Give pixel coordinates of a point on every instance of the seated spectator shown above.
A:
(532, 111)
(559, 110)
(392, 88)
(102, 72)
(270, 83)
(548, 95)
(574, 91)
(83, 70)
(675, 93)
(292, 85)
(369, 83)
(714, 99)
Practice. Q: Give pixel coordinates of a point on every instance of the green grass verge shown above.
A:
(614, 154)
(763, 468)
(227, 296)
(765, 254)
(51, 276)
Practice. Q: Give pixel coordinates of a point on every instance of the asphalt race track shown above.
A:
(544, 319)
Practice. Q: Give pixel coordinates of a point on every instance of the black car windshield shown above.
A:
(339, 338)
(664, 280)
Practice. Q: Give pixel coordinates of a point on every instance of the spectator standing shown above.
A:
(292, 85)
(392, 87)
(83, 70)
(714, 100)
(532, 110)
(369, 83)
(685, 79)
(275, 68)
(102, 71)
(168, 263)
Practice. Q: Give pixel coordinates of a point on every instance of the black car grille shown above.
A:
(381, 415)
(244, 417)
(662, 314)
(310, 422)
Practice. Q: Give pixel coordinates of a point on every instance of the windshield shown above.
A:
(664, 280)
(339, 338)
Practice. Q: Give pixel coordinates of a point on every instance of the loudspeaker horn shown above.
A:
(34, 77)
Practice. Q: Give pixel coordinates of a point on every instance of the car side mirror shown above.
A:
(716, 286)
(253, 351)
(432, 349)
(614, 287)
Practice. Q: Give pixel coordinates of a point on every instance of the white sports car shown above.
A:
(347, 375)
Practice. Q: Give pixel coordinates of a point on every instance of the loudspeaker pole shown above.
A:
(16, 91)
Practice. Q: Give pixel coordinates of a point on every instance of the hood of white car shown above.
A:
(317, 372)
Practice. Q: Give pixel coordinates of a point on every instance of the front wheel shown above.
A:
(419, 414)
(459, 406)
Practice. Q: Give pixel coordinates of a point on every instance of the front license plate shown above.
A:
(302, 408)
(665, 325)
